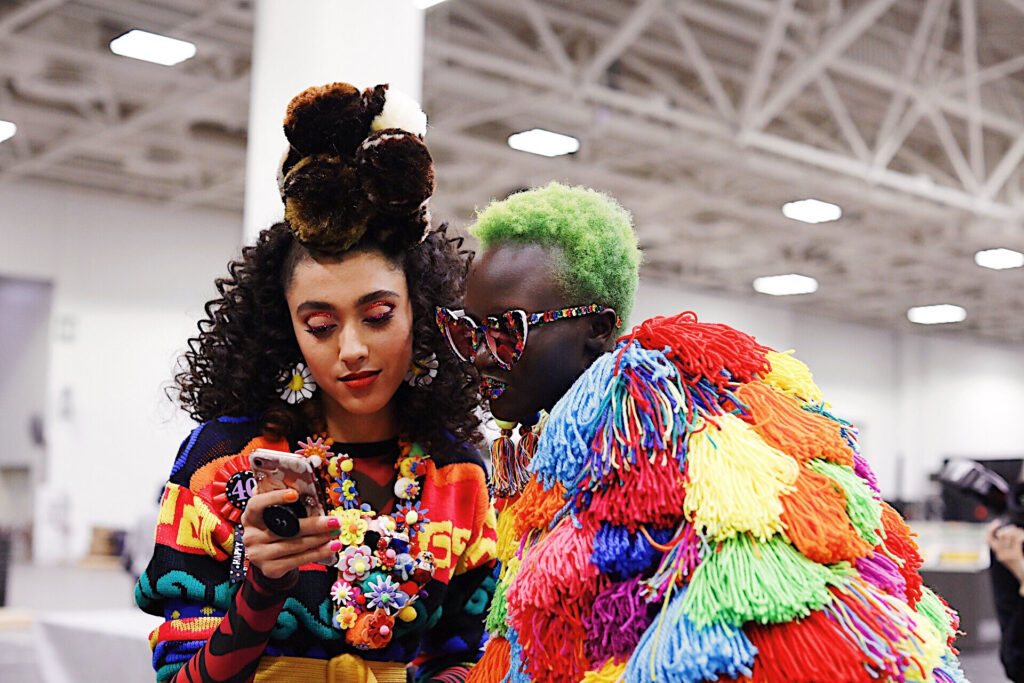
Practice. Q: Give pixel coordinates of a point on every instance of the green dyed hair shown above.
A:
(591, 234)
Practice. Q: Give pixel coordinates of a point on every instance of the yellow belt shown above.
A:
(340, 669)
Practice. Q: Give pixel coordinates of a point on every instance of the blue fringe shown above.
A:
(515, 674)
(623, 555)
(680, 652)
(569, 451)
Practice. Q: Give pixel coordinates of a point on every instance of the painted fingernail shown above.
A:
(333, 523)
(335, 546)
(291, 495)
(336, 532)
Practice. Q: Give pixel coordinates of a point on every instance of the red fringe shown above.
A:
(649, 493)
(781, 422)
(704, 349)
(816, 521)
(494, 664)
(899, 541)
(555, 584)
(809, 650)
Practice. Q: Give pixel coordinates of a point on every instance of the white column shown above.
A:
(299, 43)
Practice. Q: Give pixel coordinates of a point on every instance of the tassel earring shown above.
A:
(510, 461)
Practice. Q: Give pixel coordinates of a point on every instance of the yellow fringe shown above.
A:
(791, 376)
(609, 673)
(508, 541)
(735, 481)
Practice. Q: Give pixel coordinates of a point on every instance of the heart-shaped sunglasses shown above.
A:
(504, 335)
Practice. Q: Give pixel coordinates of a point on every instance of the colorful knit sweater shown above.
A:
(220, 627)
(696, 513)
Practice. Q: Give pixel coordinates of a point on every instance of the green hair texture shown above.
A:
(589, 231)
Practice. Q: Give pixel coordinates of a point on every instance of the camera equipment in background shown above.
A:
(980, 490)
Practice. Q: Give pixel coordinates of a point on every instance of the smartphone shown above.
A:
(277, 470)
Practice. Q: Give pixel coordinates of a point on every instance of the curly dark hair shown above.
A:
(232, 366)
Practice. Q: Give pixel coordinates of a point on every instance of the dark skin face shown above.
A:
(556, 354)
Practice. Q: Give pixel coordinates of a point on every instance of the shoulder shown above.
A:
(462, 465)
(209, 441)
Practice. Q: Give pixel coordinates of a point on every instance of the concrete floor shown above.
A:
(32, 590)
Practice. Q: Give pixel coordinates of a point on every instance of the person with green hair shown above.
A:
(690, 509)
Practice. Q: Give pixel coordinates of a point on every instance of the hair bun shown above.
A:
(357, 167)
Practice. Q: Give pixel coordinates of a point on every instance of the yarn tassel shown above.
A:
(939, 614)
(650, 493)
(507, 477)
(497, 612)
(622, 554)
(615, 623)
(863, 507)
(537, 507)
(792, 377)
(747, 581)
(864, 471)
(516, 666)
(684, 552)
(883, 573)
(735, 480)
(494, 664)
(801, 434)
(949, 671)
(718, 353)
(897, 641)
(814, 516)
(609, 673)
(673, 648)
(809, 650)
(899, 542)
(555, 586)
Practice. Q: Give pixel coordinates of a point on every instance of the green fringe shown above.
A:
(932, 609)
(744, 580)
(498, 611)
(863, 508)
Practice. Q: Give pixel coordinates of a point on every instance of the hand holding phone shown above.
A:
(275, 471)
(273, 554)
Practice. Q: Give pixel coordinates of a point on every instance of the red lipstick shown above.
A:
(360, 380)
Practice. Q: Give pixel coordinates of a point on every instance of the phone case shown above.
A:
(276, 470)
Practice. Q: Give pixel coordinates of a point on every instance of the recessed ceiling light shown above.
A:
(543, 142)
(811, 211)
(7, 130)
(785, 285)
(937, 314)
(426, 4)
(999, 259)
(152, 47)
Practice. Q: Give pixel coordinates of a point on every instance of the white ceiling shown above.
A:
(702, 116)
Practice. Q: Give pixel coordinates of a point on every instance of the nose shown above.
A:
(352, 350)
(483, 359)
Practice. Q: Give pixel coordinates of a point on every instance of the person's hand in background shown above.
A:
(1007, 543)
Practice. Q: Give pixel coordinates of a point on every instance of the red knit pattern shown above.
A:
(781, 422)
(814, 514)
(704, 349)
(899, 540)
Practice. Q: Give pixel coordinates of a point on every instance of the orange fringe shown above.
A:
(899, 541)
(815, 518)
(782, 423)
(536, 507)
(493, 666)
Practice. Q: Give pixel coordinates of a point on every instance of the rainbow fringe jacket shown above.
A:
(696, 513)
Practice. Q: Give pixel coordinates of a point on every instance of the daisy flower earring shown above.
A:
(298, 384)
(422, 371)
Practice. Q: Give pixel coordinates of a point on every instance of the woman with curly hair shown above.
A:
(323, 342)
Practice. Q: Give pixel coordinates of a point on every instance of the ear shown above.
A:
(601, 333)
